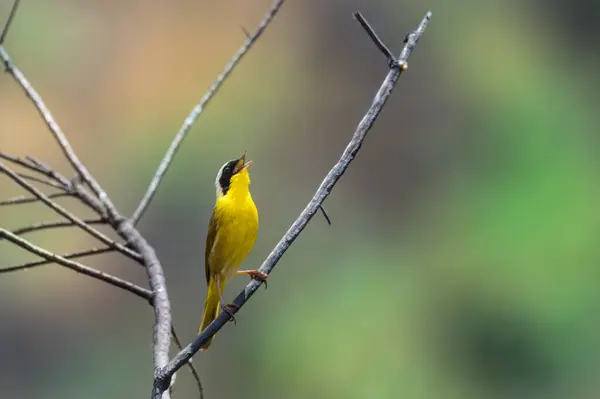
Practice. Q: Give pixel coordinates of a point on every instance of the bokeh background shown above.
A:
(462, 261)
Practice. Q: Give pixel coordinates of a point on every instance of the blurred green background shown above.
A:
(462, 260)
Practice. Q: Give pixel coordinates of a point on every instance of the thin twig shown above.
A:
(48, 171)
(21, 199)
(30, 164)
(63, 212)
(66, 185)
(11, 16)
(197, 110)
(53, 225)
(163, 377)
(371, 32)
(78, 267)
(40, 180)
(190, 364)
(325, 215)
(73, 255)
(246, 33)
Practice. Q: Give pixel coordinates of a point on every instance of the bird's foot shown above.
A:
(228, 309)
(255, 273)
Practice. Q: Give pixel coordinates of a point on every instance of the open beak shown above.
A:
(242, 164)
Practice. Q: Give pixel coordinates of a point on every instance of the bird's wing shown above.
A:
(213, 227)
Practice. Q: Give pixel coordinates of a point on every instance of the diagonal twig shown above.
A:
(53, 225)
(197, 110)
(68, 186)
(11, 16)
(73, 255)
(33, 165)
(325, 215)
(396, 68)
(63, 212)
(21, 199)
(78, 267)
(371, 32)
(40, 180)
(190, 364)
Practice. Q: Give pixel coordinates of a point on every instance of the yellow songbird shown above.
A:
(231, 235)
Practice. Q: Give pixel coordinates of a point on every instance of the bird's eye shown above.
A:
(227, 169)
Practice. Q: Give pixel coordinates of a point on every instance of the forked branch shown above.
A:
(68, 215)
(396, 68)
(142, 251)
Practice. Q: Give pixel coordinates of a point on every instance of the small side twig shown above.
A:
(63, 212)
(72, 255)
(21, 199)
(35, 166)
(197, 110)
(190, 364)
(40, 180)
(164, 375)
(325, 215)
(78, 267)
(61, 181)
(11, 16)
(378, 42)
(54, 225)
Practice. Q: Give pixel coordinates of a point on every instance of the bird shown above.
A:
(231, 235)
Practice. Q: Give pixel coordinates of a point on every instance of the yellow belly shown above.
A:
(237, 223)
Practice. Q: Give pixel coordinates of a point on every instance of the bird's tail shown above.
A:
(211, 308)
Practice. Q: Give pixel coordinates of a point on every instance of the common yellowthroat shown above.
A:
(231, 235)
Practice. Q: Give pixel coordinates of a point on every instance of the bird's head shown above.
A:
(233, 176)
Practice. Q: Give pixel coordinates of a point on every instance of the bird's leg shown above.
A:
(255, 273)
(225, 308)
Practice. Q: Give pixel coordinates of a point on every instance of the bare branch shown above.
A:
(63, 212)
(78, 267)
(164, 375)
(73, 255)
(197, 110)
(162, 306)
(21, 199)
(53, 225)
(11, 16)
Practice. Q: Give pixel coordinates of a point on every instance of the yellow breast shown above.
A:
(236, 221)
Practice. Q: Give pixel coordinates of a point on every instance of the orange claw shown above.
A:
(255, 273)
(227, 310)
